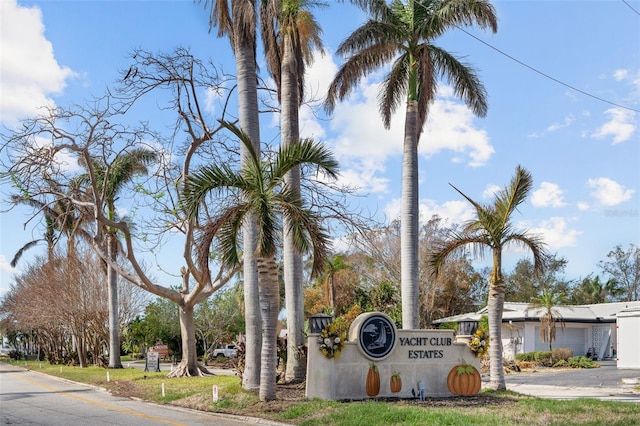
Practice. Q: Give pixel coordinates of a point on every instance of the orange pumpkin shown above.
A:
(396, 383)
(373, 381)
(464, 380)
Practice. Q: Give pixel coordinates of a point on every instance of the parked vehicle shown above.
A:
(228, 351)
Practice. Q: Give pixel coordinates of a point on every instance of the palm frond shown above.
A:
(20, 252)
(309, 152)
(509, 198)
(213, 178)
(393, 89)
(462, 77)
(535, 244)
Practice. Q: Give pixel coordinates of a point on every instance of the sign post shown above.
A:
(153, 361)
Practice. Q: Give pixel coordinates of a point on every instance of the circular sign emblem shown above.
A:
(377, 336)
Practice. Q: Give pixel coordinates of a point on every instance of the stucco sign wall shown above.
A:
(423, 358)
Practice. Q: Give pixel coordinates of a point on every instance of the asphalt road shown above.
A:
(31, 398)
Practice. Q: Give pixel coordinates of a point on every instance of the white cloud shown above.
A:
(582, 206)
(30, 72)
(4, 264)
(609, 192)
(490, 191)
(555, 232)
(549, 195)
(6, 273)
(620, 126)
(568, 121)
(620, 74)
(450, 127)
(363, 176)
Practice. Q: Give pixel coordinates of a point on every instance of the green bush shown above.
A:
(582, 362)
(527, 357)
(540, 357)
(561, 363)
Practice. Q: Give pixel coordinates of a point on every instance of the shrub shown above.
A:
(561, 354)
(525, 357)
(542, 358)
(582, 362)
(526, 365)
(15, 354)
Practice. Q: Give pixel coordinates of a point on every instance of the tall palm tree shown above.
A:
(111, 180)
(548, 302)
(259, 188)
(238, 20)
(492, 230)
(290, 34)
(403, 33)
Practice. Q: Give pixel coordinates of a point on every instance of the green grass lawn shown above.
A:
(488, 408)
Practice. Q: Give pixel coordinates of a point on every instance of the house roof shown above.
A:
(519, 312)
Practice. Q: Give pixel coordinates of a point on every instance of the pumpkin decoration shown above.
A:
(373, 381)
(464, 379)
(396, 382)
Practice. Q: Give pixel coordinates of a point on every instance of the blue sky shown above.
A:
(583, 149)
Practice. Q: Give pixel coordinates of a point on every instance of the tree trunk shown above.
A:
(289, 127)
(114, 324)
(81, 349)
(495, 306)
(409, 224)
(250, 124)
(189, 365)
(269, 307)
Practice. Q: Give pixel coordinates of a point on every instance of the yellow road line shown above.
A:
(100, 404)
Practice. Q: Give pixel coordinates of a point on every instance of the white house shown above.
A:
(588, 329)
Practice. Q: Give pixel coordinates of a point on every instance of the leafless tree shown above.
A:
(64, 142)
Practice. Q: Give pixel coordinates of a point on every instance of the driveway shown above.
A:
(607, 383)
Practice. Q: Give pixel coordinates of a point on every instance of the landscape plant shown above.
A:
(403, 34)
(258, 188)
(492, 230)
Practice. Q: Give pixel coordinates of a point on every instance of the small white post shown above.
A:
(163, 390)
(215, 393)
(108, 378)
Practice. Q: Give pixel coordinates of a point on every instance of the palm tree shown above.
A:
(259, 188)
(403, 33)
(548, 302)
(593, 290)
(290, 33)
(492, 229)
(111, 179)
(61, 216)
(238, 20)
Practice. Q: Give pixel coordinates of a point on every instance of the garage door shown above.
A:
(572, 338)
